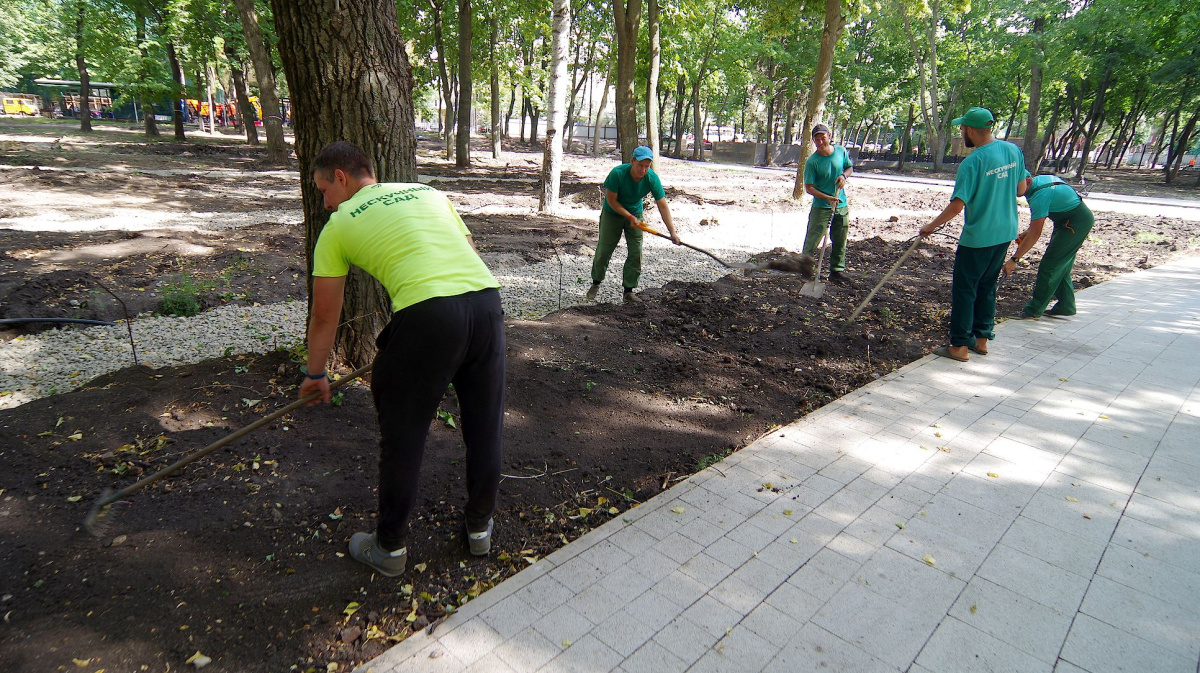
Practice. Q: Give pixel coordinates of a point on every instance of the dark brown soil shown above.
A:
(241, 555)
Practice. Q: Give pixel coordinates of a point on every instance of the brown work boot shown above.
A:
(631, 298)
(591, 293)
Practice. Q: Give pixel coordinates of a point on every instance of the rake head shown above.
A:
(99, 518)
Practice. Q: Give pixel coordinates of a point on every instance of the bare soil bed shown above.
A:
(241, 556)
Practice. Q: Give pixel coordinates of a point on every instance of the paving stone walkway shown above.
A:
(1035, 509)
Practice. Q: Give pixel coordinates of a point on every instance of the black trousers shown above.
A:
(425, 348)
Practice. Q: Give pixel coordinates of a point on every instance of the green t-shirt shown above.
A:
(409, 237)
(822, 172)
(630, 193)
(987, 182)
(1053, 195)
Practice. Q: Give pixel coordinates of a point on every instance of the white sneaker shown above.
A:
(481, 542)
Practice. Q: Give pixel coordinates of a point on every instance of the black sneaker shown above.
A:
(481, 542)
(837, 276)
(1054, 310)
(364, 549)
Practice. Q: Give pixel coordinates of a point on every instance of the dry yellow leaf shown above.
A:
(787, 512)
(993, 475)
(930, 560)
(974, 608)
(351, 608)
(678, 510)
(1070, 499)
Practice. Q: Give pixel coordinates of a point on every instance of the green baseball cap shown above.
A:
(976, 118)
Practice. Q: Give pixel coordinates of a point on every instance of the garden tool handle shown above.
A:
(643, 226)
(187, 460)
(886, 276)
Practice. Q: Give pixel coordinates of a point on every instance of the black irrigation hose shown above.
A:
(78, 321)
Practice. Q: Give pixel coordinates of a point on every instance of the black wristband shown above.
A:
(315, 377)
(1015, 259)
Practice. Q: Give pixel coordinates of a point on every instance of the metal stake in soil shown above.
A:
(95, 522)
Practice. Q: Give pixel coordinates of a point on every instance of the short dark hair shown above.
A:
(344, 156)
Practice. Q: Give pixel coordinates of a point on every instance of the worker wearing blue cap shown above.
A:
(622, 209)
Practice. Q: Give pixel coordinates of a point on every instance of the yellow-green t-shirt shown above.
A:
(409, 237)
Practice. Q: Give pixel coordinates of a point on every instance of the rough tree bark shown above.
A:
(243, 98)
(560, 46)
(834, 22)
(465, 95)
(600, 116)
(627, 15)
(350, 80)
(1032, 149)
(264, 71)
(149, 124)
(493, 39)
(443, 76)
(177, 99)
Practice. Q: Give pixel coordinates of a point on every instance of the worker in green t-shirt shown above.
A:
(825, 173)
(622, 209)
(447, 328)
(1050, 197)
(987, 185)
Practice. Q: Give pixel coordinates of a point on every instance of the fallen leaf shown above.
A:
(75, 498)
(1063, 379)
(678, 510)
(993, 475)
(420, 567)
(945, 449)
(614, 511)
(930, 560)
(793, 540)
(937, 434)
(974, 609)
(1070, 499)
(351, 608)
(81, 662)
(75, 437)
(566, 643)
(1086, 516)
(199, 660)
(250, 403)
(601, 500)
(900, 525)
(1104, 417)
(787, 512)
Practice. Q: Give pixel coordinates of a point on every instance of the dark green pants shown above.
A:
(611, 228)
(973, 293)
(818, 222)
(1054, 272)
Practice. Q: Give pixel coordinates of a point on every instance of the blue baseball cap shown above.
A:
(642, 153)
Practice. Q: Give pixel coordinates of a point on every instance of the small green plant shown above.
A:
(589, 385)
(297, 352)
(1148, 237)
(886, 316)
(181, 296)
(337, 398)
(712, 459)
(446, 417)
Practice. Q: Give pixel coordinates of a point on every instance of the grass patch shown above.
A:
(1148, 237)
(181, 296)
(712, 459)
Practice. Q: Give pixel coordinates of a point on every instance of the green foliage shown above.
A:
(712, 459)
(181, 296)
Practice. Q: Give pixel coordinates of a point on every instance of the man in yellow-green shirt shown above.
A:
(447, 328)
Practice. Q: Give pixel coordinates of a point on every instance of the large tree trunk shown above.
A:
(652, 120)
(264, 71)
(85, 82)
(904, 142)
(1096, 117)
(493, 39)
(1178, 148)
(243, 98)
(834, 22)
(465, 98)
(349, 80)
(627, 15)
(177, 99)
(560, 47)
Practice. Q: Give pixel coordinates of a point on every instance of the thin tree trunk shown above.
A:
(1096, 117)
(179, 96)
(264, 73)
(512, 102)
(1179, 148)
(680, 92)
(600, 117)
(493, 39)
(348, 81)
(210, 89)
(85, 82)
(556, 113)
(243, 98)
(652, 120)
(905, 141)
(465, 94)
(150, 124)
(443, 77)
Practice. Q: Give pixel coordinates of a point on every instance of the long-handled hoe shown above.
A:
(96, 522)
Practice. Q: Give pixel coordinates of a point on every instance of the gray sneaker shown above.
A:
(364, 549)
(481, 543)
(592, 291)
(631, 298)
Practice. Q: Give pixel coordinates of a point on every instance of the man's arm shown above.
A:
(327, 297)
(1025, 243)
(611, 197)
(951, 211)
(665, 212)
(818, 194)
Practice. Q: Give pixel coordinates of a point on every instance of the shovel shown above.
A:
(728, 265)
(815, 288)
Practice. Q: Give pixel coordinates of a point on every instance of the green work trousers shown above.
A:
(1054, 272)
(973, 293)
(818, 222)
(611, 228)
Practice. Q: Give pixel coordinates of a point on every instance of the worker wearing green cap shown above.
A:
(624, 189)
(986, 186)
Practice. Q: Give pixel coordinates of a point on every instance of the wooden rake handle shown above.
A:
(886, 276)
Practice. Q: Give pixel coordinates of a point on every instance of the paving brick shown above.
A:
(1159, 622)
(564, 623)
(1034, 578)
(705, 569)
(966, 521)
(588, 655)
(685, 639)
(1151, 576)
(652, 564)
(680, 589)
(751, 536)
(729, 552)
(761, 575)
(527, 651)
(678, 547)
(909, 581)
(510, 617)
(773, 625)
(952, 554)
(1078, 555)
(957, 648)
(653, 658)
(1167, 516)
(633, 541)
(1002, 498)
(741, 650)
(624, 633)
(595, 602)
(625, 583)
(544, 595)
(844, 506)
(471, 641)
(1018, 621)
(738, 595)
(1100, 648)
(1157, 543)
(488, 664)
